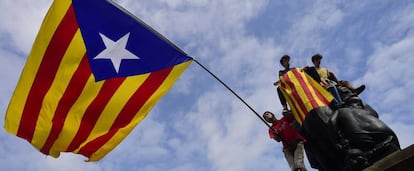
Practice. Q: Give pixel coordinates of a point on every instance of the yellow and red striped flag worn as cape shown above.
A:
(94, 72)
(303, 93)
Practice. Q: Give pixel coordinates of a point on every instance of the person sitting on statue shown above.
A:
(348, 138)
(329, 80)
(281, 130)
(284, 61)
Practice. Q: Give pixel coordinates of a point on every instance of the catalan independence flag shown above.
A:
(94, 72)
(303, 93)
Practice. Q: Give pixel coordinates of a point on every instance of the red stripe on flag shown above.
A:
(94, 110)
(46, 73)
(305, 88)
(295, 107)
(72, 92)
(134, 104)
(295, 94)
(321, 96)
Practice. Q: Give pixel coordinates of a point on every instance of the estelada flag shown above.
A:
(94, 72)
(303, 93)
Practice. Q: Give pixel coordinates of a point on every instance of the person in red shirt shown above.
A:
(282, 130)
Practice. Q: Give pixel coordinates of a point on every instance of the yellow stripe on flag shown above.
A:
(59, 107)
(74, 118)
(69, 64)
(123, 132)
(297, 114)
(303, 93)
(114, 106)
(18, 100)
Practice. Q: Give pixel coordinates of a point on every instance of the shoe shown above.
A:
(359, 89)
(285, 111)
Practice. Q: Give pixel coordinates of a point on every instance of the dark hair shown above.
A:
(283, 58)
(265, 113)
(316, 56)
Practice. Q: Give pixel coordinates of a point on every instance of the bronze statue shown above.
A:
(347, 136)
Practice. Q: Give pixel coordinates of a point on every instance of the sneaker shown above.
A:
(285, 111)
(360, 89)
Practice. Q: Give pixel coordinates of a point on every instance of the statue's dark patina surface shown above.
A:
(349, 136)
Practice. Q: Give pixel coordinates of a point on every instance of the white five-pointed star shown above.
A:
(116, 51)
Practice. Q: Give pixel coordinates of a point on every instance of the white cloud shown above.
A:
(388, 76)
(20, 21)
(213, 130)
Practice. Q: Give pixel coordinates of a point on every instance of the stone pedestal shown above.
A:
(398, 161)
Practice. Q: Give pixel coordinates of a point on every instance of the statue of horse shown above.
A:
(348, 137)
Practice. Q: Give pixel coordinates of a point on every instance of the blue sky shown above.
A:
(199, 125)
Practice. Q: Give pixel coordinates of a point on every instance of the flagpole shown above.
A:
(234, 93)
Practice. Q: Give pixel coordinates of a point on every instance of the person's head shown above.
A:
(284, 61)
(316, 59)
(269, 117)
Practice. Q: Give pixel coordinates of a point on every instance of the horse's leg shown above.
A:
(319, 136)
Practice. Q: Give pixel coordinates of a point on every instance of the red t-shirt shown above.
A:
(285, 131)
